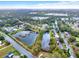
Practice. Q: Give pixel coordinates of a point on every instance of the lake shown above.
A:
(46, 41)
(27, 37)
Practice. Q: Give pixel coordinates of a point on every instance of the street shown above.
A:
(17, 46)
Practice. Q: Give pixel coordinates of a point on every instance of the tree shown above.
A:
(72, 39)
(77, 44)
(68, 52)
(7, 43)
(23, 56)
(61, 40)
(1, 38)
(74, 33)
(52, 41)
(59, 53)
(77, 54)
(56, 55)
(7, 25)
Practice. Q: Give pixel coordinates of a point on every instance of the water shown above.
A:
(27, 37)
(46, 41)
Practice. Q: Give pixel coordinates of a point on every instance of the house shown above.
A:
(9, 29)
(39, 18)
(45, 26)
(0, 43)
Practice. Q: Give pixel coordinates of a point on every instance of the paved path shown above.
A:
(72, 55)
(5, 47)
(57, 39)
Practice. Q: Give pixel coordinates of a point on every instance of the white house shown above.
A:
(45, 26)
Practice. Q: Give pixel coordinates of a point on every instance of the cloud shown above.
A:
(52, 5)
(58, 5)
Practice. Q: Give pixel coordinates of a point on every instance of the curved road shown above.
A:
(72, 55)
(57, 39)
(56, 35)
(17, 46)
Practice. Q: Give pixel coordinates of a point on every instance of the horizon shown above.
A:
(39, 4)
(38, 9)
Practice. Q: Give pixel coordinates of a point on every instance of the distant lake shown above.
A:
(27, 37)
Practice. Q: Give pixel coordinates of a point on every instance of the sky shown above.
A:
(39, 4)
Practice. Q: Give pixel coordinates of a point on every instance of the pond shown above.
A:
(27, 37)
(46, 41)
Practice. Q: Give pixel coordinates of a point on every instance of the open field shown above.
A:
(4, 51)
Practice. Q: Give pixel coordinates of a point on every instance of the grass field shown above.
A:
(4, 51)
(77, 39)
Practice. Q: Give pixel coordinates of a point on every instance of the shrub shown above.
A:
(61, 40)
(77, 54)
(77, 44)
(72, 39)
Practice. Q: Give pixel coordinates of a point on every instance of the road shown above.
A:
(57, 39)
(72, 55)
(56, 35)
(18, 47)
(65, 40)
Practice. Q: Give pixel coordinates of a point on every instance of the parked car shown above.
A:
(9, 55)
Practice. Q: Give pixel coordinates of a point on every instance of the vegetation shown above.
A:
(61, 40)
(72, 39)
(6, 43)
(77, 44)
(57, 52)
(15, 52)
(14, 32)
(77, 39)
(77, 54)
(36, 47)
(67, 53)
(65, 27)
(23, 56)
(19, 18)
(1, 38)
(53, 43)
(6, 50)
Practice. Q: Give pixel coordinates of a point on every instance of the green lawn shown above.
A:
(5, 44)
(6, 50)
(2, 46)
(77, 39)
